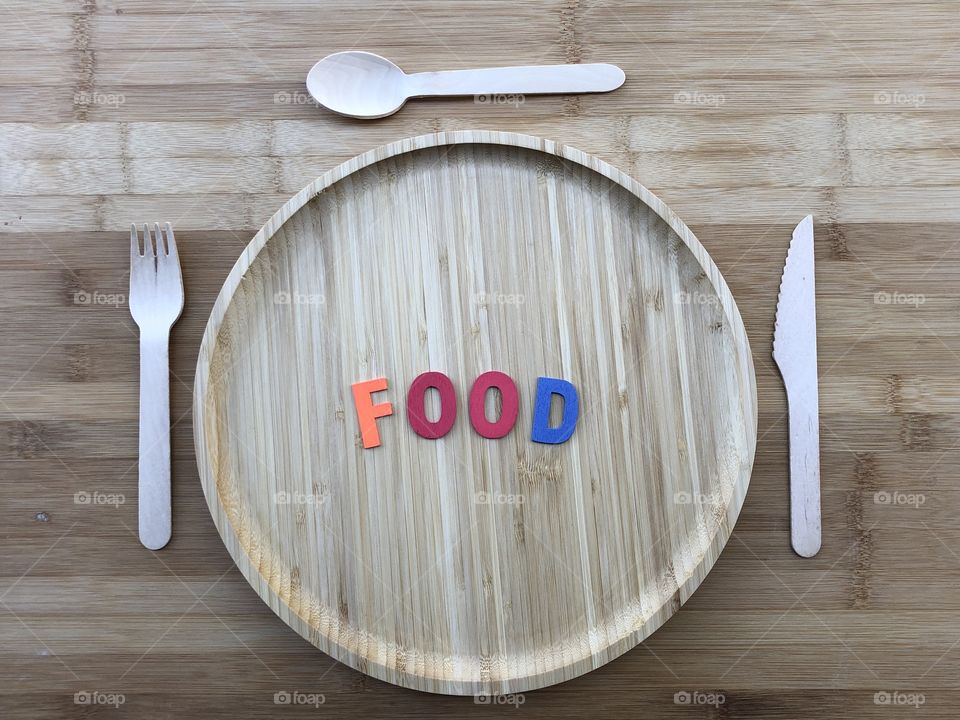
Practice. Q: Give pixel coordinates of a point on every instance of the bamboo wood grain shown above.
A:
(781, 637)
(390, 561)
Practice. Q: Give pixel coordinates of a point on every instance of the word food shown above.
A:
(368, 411)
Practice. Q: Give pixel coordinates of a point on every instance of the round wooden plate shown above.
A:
(463, 564)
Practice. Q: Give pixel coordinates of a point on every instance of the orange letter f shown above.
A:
(367, 412)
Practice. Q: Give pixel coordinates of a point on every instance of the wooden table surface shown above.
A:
(742, 116)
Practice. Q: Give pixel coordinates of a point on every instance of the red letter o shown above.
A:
(416, 414)
(510, 404)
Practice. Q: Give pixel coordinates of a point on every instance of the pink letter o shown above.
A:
(510, 404)
(416, 414)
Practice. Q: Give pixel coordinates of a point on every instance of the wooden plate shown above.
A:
(465, 564)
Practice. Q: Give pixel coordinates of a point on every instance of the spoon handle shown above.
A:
(529, 80)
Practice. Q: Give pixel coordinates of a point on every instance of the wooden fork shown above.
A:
(156, 301)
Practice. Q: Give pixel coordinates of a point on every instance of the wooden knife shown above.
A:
(795, 352)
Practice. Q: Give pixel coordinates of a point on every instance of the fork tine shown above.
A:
(148, 246)
(171, 243)
(158, 239)
(134, 243)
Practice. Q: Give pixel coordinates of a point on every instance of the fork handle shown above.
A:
(154, 464)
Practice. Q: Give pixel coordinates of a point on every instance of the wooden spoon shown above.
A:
(364, 85)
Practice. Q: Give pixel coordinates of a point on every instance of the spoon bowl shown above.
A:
(358, 84)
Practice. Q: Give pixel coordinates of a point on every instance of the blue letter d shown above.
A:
(547, 387)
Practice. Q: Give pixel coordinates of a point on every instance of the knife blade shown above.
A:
(795, 352)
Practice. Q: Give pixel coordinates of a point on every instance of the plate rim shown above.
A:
(206, 462)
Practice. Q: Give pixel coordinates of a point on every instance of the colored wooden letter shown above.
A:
(509, 404)
(367, 412)
(416, 413)
(546, 388)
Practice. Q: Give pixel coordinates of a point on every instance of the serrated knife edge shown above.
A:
(797, 288)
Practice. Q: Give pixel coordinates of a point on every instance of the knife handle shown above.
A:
(804, 410)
